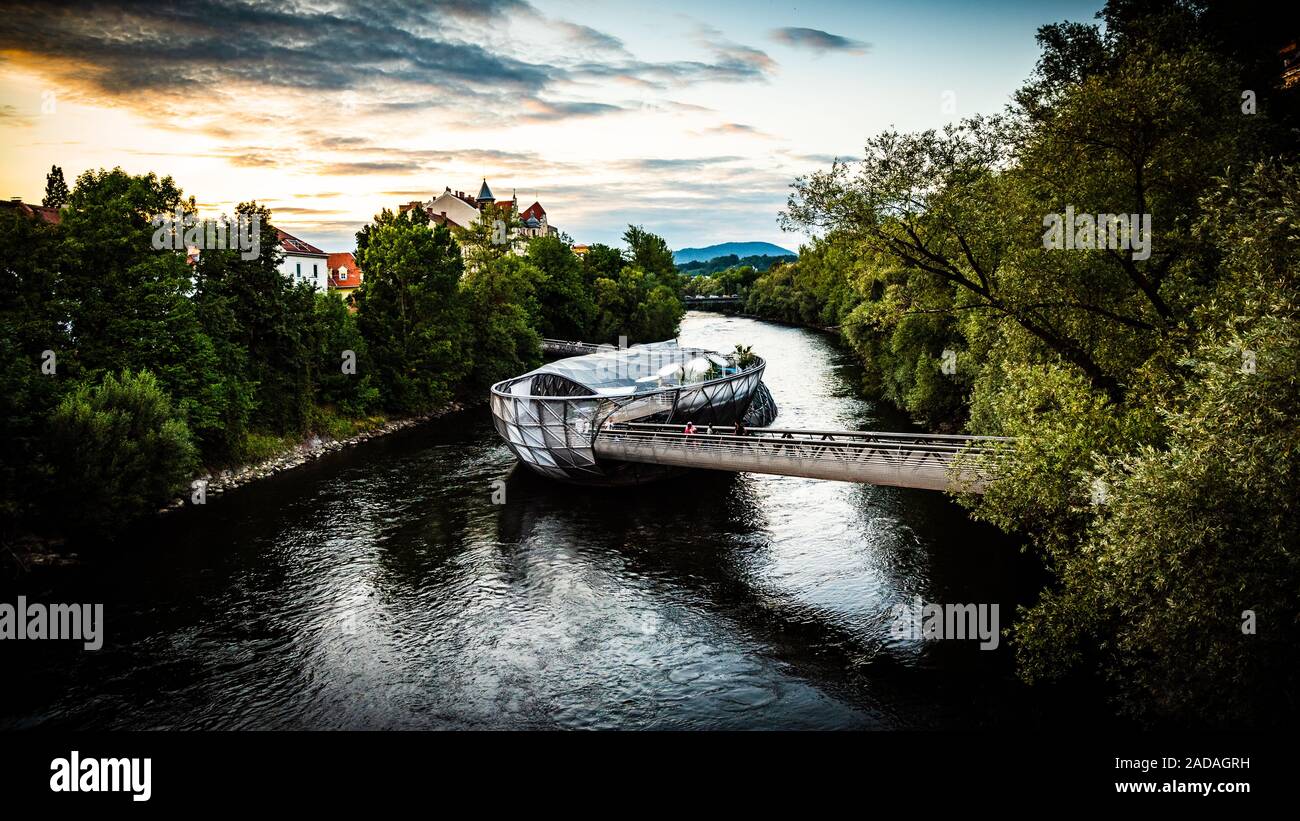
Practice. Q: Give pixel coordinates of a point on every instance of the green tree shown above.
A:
(117, 450)
(1120, 373)
(601, 261)
(261, 323)
(636, 305)
(566, 307)
(130, 304)
(495, 234)
(33, 306)
(1199, 529)
(411, 312)
(337, 340)
(56, 189)
(503, 313)
(650, 253)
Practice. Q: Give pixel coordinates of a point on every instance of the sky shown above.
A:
(688, 118)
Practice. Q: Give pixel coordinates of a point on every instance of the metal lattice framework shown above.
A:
(551, 425)
(594, 418)
(929, 461)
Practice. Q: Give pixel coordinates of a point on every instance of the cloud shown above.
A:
(818, 41)
(659, 164)
(134, 47)
(293, 209)
(12, 116)
(738, 129)
(728, 62)
(582, 36)
(687, 108)
(392, 167)
(162, 59)
(374, 96)
(544, 111)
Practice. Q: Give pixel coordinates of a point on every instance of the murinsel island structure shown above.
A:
(617, 416)
(551, 417)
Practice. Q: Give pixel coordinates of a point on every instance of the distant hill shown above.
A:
(708, 267)
(740, 249)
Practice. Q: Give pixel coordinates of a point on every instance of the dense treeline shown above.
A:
(726, 282)
(707, 267)
(1156, 397)
(127, 370)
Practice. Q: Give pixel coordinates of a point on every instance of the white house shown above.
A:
(303, 261)
(459, 209)
(454, 206)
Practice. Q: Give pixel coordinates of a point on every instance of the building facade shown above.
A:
(459, 209)
(344, 275)
(303, 262)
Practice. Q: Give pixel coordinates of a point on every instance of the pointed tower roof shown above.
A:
(485, 193)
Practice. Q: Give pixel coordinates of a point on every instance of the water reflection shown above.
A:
(382, 588)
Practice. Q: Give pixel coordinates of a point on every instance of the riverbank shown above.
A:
(392, 585)
(943, 426)
(826, 329)
(308, 449)
(30, 551)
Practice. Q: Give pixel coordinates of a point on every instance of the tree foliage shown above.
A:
(116, 450)
(219, 354)
(1120, 372)
(411, 311)
(56, 189)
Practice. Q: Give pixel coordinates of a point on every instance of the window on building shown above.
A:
(313, 270)
(343, 273)
(298, 269)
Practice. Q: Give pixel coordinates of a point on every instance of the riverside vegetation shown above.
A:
(127, 371)
(1155, 400)
(1167, 388)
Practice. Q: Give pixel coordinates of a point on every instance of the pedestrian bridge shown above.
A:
(564, 347)
(927, 461)
(711, 301)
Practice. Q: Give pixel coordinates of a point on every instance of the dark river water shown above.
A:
(381, 587)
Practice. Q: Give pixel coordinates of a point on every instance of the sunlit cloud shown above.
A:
(331, 110)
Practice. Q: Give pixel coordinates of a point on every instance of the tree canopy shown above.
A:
(1153, 369)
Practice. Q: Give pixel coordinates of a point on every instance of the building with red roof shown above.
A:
(344, 275)
(44, 213)
(459, 209)
(303, 262)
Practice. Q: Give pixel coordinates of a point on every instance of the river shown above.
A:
(382, 587)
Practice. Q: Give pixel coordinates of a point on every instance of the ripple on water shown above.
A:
(380, 587)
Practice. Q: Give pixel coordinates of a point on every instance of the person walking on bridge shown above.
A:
(689, 431)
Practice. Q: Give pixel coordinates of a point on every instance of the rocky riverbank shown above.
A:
(306, 451)
(30, 551)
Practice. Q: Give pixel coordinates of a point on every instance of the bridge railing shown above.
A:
(571, 347)
(936, 440)
(979, 453)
